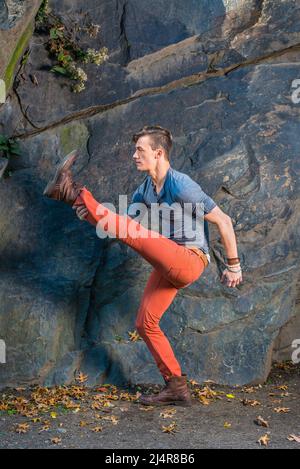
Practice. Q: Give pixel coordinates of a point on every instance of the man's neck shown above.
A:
(159, 174)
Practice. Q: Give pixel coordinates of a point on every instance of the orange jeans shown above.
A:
(174, 267)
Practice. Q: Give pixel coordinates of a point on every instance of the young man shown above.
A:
(177, 261)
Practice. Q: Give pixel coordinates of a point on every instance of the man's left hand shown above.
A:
(232, 278)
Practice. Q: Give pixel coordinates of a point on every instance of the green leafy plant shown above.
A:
(44, 10)
(8, 147)
(118, 338)
(63, 45)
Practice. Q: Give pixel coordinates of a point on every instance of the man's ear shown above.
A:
(160, 153)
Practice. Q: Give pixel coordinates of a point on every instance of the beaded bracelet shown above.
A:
(234, 271)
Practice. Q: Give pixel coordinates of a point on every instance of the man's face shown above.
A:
(144, 156)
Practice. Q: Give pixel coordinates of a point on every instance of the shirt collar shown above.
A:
(165, 182)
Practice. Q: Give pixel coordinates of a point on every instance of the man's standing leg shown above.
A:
(157, 297)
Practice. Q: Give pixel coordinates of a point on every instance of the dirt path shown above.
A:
(108, 417)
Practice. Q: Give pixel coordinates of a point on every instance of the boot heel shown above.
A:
(183, 403)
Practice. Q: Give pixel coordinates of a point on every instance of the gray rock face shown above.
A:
(3, 165)
(3, 13)
(16, 27)
(10, 12)
(222, 77)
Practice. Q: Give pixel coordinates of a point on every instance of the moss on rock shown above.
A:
(74, 135)
(16, 55)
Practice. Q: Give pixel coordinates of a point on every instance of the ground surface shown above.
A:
(107, 417)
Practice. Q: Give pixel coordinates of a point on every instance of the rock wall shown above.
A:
(16, 28)
(218, 74)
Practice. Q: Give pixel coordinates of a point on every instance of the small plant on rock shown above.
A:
(63, 45)
(8, 148)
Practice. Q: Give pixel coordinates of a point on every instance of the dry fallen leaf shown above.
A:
(36, 420)
(147, 408)
(125, 396)
(250, 389)
(55, 441)
(193, 382)
(108, 404)
(281, 410)
(283, 366)
(45, 428)
(112, 418)
(81, 378)
(261, 422)
(284, 387)
(97, 405)
(97, 429)
(204, 400)
(167, 413)
(124, 409)
(294, 438)
(264, 440)
(227, 425)
(102, 389)
(250, 402)
(172, 428)
(205, 395)
(22, 428)
(134, 336)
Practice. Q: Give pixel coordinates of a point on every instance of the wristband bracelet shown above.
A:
(233, 261)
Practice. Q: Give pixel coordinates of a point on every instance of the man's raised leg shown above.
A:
(177, 263)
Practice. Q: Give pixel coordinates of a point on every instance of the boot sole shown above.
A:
(161, 404)
(64, 165)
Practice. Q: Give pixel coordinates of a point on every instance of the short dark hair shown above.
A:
(160, 137)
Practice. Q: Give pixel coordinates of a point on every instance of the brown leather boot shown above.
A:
(176, 392)
(62, 187)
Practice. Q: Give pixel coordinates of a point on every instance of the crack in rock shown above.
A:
(188, 81)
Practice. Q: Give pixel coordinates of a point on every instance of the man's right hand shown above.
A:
(81, 211)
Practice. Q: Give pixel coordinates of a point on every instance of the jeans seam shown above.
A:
(149, 297)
